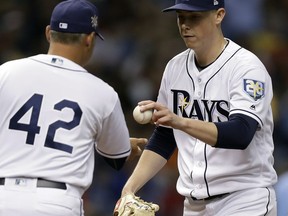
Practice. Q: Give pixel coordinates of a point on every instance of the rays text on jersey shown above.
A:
(199, 109)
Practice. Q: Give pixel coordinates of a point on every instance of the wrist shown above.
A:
(126, 192)
(127, 189)
(181, 123)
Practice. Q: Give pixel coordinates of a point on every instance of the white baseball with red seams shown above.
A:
(142, 117)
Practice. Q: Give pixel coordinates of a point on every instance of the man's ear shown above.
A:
(90, 39)
(220, 14)
(47, 33)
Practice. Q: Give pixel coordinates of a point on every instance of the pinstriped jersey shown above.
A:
(236, 82)
(53, 114)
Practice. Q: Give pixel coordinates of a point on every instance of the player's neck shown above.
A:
(204, 58)
(69, 52)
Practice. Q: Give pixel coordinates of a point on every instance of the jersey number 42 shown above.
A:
(32, 127)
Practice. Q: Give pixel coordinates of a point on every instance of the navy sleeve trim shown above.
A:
(117, 164)
(162, 142)
(249, 113)
(236, 133)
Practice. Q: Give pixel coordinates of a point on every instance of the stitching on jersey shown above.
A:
(205, 149)
(206, 167)
(187, 70)
(220, 69)
(267, 206)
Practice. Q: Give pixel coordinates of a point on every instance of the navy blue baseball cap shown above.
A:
(75, 16)
(196, 5)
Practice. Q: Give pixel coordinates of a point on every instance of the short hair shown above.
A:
(66, 38)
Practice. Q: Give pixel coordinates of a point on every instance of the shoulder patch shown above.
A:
(254, 88)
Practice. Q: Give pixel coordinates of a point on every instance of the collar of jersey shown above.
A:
(58, 61)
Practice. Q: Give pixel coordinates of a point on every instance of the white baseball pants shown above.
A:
(21, 196)
(254, 201)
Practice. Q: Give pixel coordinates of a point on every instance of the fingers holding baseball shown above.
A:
(161, 114)
(146, 103)
(142, 117)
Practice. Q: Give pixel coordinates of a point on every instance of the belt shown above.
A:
(210, 197)
(43, 183)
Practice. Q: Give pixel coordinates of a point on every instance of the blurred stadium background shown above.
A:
(139, 41)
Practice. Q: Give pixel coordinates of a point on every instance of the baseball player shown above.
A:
(53, 116)
(214, 106)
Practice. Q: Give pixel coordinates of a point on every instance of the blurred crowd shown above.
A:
(139, 41)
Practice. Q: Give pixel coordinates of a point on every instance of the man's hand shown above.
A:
(137, 145)
(162, 115)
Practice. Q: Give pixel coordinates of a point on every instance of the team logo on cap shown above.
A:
(254, 88)
(216, 2)
(94, 21)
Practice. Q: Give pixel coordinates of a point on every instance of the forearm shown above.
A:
(147, 167)
(227, 134)
(204, 131)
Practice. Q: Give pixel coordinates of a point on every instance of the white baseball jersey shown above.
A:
(236, 82)
(53, 114)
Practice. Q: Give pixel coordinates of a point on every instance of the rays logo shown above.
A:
(94, 21)
(254, 88)
(216, 2)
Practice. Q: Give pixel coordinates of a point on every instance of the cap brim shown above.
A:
(185, 7)
(100, 36)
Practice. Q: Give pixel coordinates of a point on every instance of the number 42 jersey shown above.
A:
(53, 114)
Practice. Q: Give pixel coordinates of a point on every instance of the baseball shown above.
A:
(142, 117)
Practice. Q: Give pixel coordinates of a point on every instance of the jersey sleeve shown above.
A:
(162, 94)
(113, 140)
(251, 90)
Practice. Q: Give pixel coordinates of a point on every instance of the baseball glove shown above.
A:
(133, 205)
